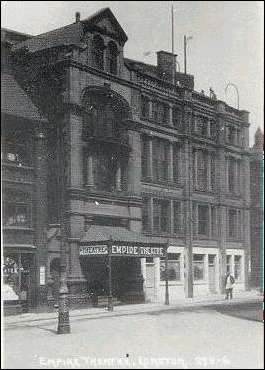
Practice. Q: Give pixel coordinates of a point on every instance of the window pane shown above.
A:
(16, 215)
(173, 268)
(238, 269)
(198, 267)
(203, 220)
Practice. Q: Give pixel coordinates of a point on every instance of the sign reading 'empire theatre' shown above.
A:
(120, 250)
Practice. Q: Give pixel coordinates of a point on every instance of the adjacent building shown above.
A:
(131, 151)
(257, 211)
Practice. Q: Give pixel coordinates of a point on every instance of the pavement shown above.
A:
(197, 334)
(34, 319)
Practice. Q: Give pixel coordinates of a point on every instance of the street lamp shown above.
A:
(236, 88)
(63, 311)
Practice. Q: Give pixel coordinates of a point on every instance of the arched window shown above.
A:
(112, 58)
(101, 117)
(98, 52)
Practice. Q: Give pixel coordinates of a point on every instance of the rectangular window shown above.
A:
(203, 220)
(232, 175)
(202, 170)
(177, 218)
(213, 130)
(176, 164)
(161, 216)
(16, 214)
(232, 223)
(145, 107)
(214, 221)
(16, 150)
(160, 170)
(176, 117)
(198, 267)
(173, 271)
(212, 169)
(155, 110)
(145, 220)
(201, 125)
(144, 157)
(238, 268)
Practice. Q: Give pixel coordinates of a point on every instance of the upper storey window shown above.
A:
(98, 52)
(112, 58)
(101, 118)
(15, 150)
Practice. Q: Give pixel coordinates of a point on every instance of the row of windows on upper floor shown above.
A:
(163, 162)
(163, 114)
(160, 216)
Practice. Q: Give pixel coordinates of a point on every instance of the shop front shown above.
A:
(18, 278)
(111, 262)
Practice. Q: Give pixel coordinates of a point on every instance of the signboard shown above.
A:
(122, 250)
(94, 250)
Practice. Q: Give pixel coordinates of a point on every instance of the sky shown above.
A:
(226, 45)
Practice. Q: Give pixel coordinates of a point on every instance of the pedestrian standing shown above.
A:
(229, 285)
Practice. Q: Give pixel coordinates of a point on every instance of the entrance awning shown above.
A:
(119, 241)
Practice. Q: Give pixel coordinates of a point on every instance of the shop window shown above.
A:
(161, 216)
(112, 58)
(98, 52)
(160, 172)
(238, 267)
(229, 264)
(198, 267)
(203, 220)
(16, 215)
(173, 268)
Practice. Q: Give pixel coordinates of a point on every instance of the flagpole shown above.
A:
(172, 40)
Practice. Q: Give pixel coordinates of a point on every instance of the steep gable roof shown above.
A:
(72, 34)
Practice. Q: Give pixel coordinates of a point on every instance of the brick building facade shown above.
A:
(142, 151)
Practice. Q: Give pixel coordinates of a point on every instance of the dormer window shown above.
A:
(98, 52)
(112, 58)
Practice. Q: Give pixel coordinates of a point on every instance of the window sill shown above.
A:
(200, 282)
(162, 183)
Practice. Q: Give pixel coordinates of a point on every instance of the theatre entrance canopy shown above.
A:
(119, 241)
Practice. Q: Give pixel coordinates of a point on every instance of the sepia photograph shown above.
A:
(132, 187)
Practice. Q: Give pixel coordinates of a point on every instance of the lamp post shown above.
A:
(63, 312)
(236, 89)
(186, 39)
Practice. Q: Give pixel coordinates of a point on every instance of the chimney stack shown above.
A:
(77, 17)
(166, 63)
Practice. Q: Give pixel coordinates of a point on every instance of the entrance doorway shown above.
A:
(150, 281)
(212, 273)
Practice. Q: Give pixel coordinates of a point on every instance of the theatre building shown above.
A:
(103, 153)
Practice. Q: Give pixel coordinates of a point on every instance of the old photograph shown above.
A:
(132, 148)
